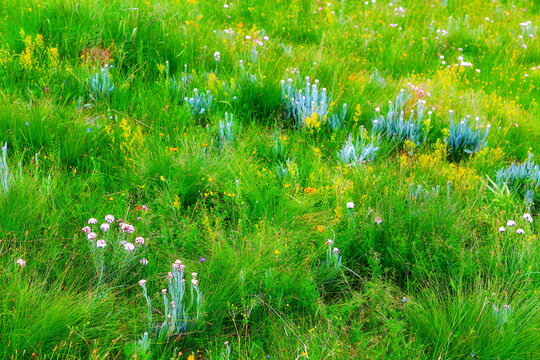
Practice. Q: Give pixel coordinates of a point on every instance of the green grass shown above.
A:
(436, 279)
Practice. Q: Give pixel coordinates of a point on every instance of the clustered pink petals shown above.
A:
(21, 262)
(139, 240)
(129, 246)
(104, 227)
(92, 236)
(109, 219)
(86, 230)
(127, 228)
(92, 221)
(143, 261)
(101, 243)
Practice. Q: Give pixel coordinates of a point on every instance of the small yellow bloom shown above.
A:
(162, 178)
(276, 252)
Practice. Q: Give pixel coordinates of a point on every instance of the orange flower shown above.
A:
(309, 190)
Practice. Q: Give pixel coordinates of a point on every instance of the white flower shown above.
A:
(182, 267)
(101, 243)
(336, 250)
(502, 229)
(129, 246)
(329, 242)
(217, 56)
(143, 261)
(173, 305)
(176, 264)
(194, 282)
(510, 223)
(86, 230)
(21, 262)
(528, 217)
(350, 205)
(377, 109)
(109, 219)
(92, 236)
(169, 275)
(104, 227)
(163, 291)
(92, 221)
(142, 282)
(123, 242)
(378, 220)
(194, 275)
(139, 240)
(520, 231)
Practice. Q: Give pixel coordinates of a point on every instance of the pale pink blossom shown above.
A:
(101, 243)
(129, 246)
(92, 236)
(139, 240)
(92, 221)
(104, 227)
(109, 219)
(21, 262)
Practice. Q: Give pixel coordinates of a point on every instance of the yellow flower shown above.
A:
(162, 178)
(191, 357)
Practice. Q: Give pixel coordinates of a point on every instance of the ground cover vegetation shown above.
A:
(254, 179)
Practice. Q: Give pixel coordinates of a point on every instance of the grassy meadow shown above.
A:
(253, 179)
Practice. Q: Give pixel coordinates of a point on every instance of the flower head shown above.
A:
(109, 219)
(194, 275)
(194, 282)
(21, 262)
(101, 243)
(330, 242)
(139, 240)
(104, 227)
(336, 250)
(510, 223)
(129, 246)
(142, 283)
(520, 231)
(163, 291)
(502, 229)
(404, 299)
(176, 264)
(350, 205)
(92, 236)
(143, 261)
(378, 220)
(217, 56)
(127, 228)
(86, 230)
(202, 259)
(528, 217)
(92, 221)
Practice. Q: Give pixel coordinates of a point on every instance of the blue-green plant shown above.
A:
(200, 103)
(101, 84)
(307, 101)
(180, 316)
(226, 130)
(395, 127)
(465, 139)
(358, 151)
(336, 120)
(523, 178)
(4, 171)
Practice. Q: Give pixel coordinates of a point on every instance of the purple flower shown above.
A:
(88, 130)
(202, 259)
